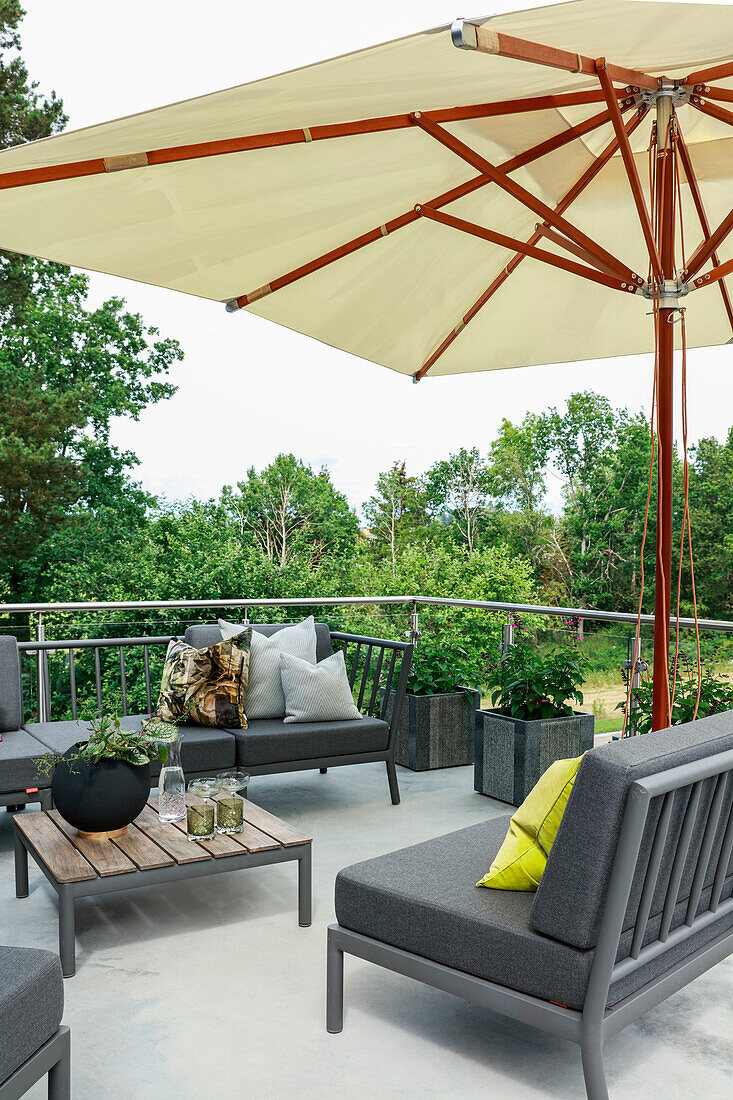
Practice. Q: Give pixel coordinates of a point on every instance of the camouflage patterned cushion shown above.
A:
(209, 685)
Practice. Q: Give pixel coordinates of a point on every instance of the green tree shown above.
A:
(711, 518)
(66, 372)
(396, 510)
(458, 490)
(289, 510)
(518, 471)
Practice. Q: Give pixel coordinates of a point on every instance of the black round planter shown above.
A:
(102, 797)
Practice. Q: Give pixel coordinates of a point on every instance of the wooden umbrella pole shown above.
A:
(661, 717)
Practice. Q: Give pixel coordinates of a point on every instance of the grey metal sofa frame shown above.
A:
(595, 1023)
(54, 1059)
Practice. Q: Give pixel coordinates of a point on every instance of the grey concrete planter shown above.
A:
(437, 731)
(511, 755)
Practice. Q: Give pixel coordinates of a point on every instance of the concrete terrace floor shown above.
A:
(209, 988)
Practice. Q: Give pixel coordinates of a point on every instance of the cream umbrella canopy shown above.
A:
(431, 208)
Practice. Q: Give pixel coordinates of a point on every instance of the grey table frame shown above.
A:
(54, 1059)
(596, 1022)
(68, 892)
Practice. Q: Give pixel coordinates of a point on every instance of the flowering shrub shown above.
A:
(531, 685)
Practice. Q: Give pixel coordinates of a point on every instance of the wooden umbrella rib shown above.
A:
(522, 195)
(514, 245)
(564, 137)
(627, 155)
(694, 185)
(706, 76)
(568, 198)
(711, 109)
(521, 49)
(569, 246)
(710, 92)
(714, 276)
(302, 135)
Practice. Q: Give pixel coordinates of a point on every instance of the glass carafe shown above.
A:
(172, 785)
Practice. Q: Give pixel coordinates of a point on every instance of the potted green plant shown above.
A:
(102, 783)
(533, 720)
(439, 714)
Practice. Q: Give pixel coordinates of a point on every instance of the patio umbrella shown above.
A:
(431, 208)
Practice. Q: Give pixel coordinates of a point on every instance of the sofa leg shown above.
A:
(591, 1048)
(394, 789)
(334, 987)
(323, 771)
(59, 1076)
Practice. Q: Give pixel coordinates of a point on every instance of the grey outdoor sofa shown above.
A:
(378, 671)
(635, 901)
(33, 1041)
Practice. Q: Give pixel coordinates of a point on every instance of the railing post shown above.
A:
(508, 637)
(42, 680)
(414, 631)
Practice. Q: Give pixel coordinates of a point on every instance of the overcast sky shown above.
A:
(247, 388)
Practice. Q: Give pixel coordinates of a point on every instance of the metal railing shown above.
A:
(40, 646)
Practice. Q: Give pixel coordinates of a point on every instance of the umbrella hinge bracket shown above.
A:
(674, 89)
(669, 289)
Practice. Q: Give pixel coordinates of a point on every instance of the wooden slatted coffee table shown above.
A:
(149, 853)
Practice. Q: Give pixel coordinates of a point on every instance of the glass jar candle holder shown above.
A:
(229, 805)
(200, 810)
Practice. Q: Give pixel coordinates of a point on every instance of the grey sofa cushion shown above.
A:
(203, 634)
(19, 753)
(571, 897)
(203, 748)
(31, 1004)
(11, 689)
(271, 741)
(424, 900)
(61, 736)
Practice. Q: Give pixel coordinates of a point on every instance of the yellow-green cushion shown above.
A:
(520, 862)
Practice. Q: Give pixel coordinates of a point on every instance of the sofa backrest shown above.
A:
(570, 901)
(204, 634)
(11, 688)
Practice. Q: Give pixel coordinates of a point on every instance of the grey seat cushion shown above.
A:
(203, 748)
(11, 688)
(271, 741)
(571, 897)
(424, 900)
(204, 634)
(31, 1004)
(19, 753)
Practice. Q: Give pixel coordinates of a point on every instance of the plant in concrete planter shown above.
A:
(101, 784)
(533, 721)
(532, 685)
(439, 715)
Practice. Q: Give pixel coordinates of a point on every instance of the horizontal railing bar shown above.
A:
(93, 643)
(384, 642)
(175, 605)
(587, 614)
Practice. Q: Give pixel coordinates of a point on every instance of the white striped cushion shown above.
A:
(265, 697)
(316, 693)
